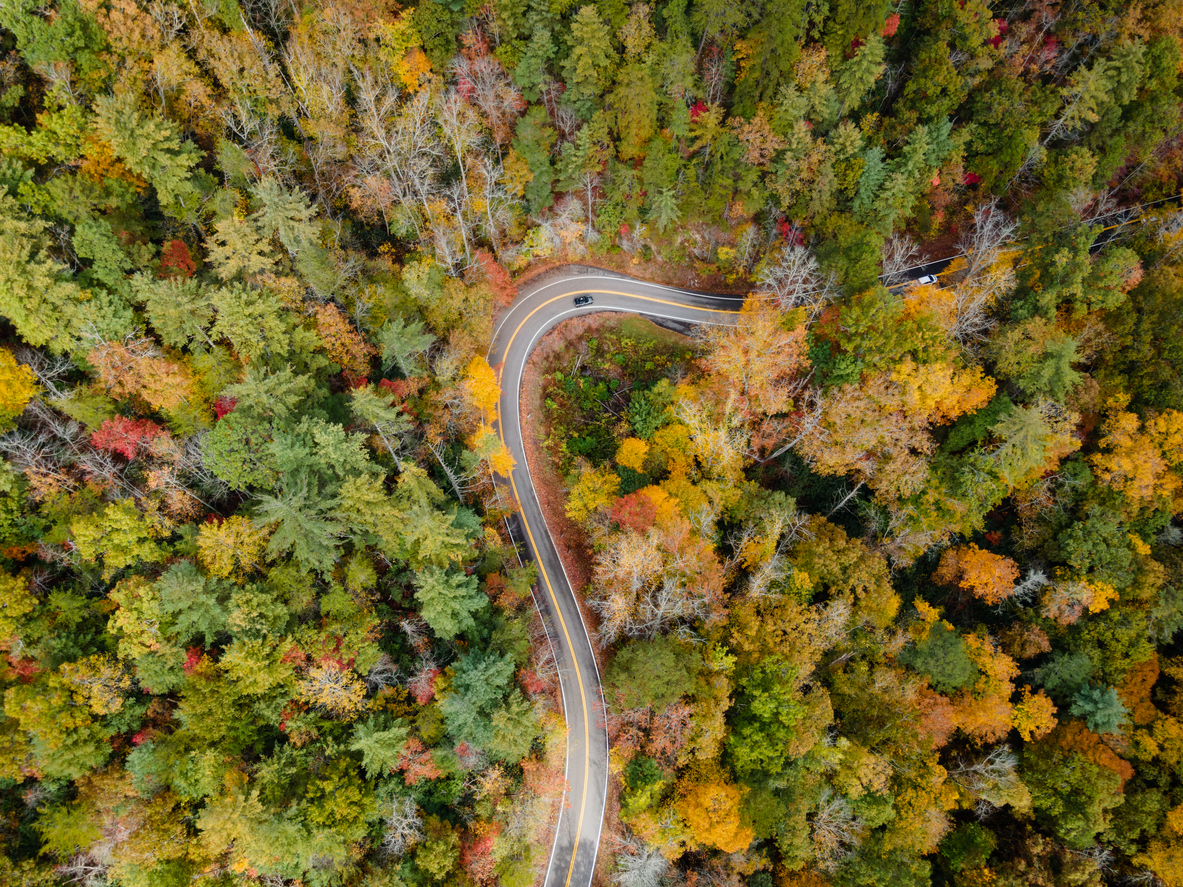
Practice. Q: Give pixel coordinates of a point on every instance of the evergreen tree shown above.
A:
(448, 601)
(404, 344)
(1101, 708)
(306, 524)
(380, 741)
(586, 69)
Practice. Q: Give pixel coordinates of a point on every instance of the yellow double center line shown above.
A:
(542, 568)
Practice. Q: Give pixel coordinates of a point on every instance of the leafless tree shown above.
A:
(639, 865)
(498, 205)
(473, 760)
(274, 16)
(319, 79)
(566, 227)
(991, 230)
(833, 622)
(418, 632)
(46, 453)
(402, 826)
(84, 870)
(791, 275)
(992, 779)
(260, 136)
(565, 119)
(459, 126)
(542, 656)
(984, 280)
(49, 369)
(422, 682)
(1101, 857)
(1026, 590)
(1145, 876)
(900, 253)
(450, 231)
(398, 148)
(191, 463)
(1170, 235)
(850, 494)
(787, 527)
(836, 831)
(484, 82)
(465, 477)
(382, 674)
(648, 584)
(59, 75)
(903, 530)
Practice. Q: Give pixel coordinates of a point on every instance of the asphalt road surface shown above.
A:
(541, 305)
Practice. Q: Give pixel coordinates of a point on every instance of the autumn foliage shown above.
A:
(712, 813)
(987, 576)
(498, 279)
(176, 261)
(884, 577)
(345, 346)
(138, 369)
(18, 385)
(126, 436)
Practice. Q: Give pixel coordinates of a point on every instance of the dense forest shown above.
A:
(884, 576)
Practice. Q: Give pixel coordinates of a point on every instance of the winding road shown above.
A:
(540, 306)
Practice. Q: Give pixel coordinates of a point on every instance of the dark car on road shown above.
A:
(580, 301)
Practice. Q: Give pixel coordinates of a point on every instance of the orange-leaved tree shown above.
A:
(1138, 461)
(762, 357)
(989, 577)
(344, 345)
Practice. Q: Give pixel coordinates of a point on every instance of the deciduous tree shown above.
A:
(711, 809)
(989, 577)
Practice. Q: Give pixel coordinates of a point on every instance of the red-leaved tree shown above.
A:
(125, 436)
(417, 763)
(635, 512)
(497, 277)
(175, 260)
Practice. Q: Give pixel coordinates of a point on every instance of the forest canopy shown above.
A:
(886, 576)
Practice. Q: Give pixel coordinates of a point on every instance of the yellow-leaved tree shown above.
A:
(482, 388)
(232, 549)
(595, 489)
(1164, 854)
(16, 602)
(1034, 716)
(1137, 459)
(632, 453)
(18, 386)
(711, 810)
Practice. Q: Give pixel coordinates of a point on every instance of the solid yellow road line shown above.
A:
(578, 680)
(542, 567)
(656, 301)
